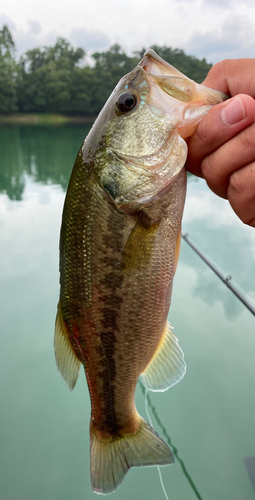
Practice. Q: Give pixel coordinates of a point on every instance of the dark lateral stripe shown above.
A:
(109, 313)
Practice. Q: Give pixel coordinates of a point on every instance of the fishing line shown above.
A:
(225, 279)
(169, 441)
(150, 421)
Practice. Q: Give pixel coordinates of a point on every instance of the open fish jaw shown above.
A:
(195, 99)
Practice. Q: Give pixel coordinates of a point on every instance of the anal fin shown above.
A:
(167, 367)
(66, 359)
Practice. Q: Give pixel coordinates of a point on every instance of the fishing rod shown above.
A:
(225, 279)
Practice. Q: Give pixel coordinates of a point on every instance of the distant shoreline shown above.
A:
(43, 119)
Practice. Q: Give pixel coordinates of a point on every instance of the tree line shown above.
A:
(56, 79)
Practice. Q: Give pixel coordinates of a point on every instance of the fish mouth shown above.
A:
(194, 99)
(175, 95)
(172, 81)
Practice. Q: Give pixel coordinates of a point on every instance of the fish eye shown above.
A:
(126, 101)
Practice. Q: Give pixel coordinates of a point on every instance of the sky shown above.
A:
(213, 29)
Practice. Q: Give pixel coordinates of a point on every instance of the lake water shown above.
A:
(208, 418)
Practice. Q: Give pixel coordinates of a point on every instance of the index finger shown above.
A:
(232, 76)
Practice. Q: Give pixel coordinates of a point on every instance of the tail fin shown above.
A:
(110, 461)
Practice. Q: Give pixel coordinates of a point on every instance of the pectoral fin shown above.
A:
(139, 246)
(177, 249)
(167, 367)
(66, 359)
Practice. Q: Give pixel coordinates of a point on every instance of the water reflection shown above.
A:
(230, 245)
(250, 465)
(211, 290)
(46, 154)
(169, 442)
(210, 414)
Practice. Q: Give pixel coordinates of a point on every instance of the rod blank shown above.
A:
(226, 279)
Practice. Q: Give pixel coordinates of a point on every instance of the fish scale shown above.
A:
(119, 247)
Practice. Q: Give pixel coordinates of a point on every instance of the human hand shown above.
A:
(222, 150)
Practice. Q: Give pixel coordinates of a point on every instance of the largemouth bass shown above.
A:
(119, 247)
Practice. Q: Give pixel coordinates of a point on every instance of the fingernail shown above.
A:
(234, 112)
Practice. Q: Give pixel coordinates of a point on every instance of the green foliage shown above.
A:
(45, 153)
(109, 68)
(8, 72)
(46, 77)
(56, 79)
(7, 45)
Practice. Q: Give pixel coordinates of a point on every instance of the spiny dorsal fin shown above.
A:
(66, 359)
(167, 367)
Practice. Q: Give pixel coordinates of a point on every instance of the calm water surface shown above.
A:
(209, 418)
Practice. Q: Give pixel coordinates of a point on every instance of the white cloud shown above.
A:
(35, 27)
(33, 220)
(201, 203)
(5, 19)
(229, 4)
(235, 38)
(30, 36)
(214, 29)
(28, 40)
(90, 40)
